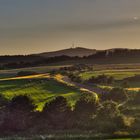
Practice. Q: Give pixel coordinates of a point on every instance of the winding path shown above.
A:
(83, 86)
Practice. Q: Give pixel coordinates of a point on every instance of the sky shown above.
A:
(34, 26)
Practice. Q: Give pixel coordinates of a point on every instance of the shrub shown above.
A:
(85, 109)
(101, 79)
(56, 112)
(108, 118)
(19, 114)
(3, 101)
(116, 94)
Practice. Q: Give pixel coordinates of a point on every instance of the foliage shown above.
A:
(116, 94)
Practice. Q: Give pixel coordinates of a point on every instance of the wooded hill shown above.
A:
(111, 56)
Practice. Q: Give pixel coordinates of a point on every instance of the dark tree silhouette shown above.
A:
(85, 109)
(3, 101)
(57, 113)
(108, 118)
(118, 95)
(19, 113)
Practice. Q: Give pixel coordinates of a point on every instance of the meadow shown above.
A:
(45, 86)
(116, 74)
(40, 69)
(41, 89)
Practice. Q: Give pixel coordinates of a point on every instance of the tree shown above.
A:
(137, 99)
(85, 109)
(3, 101)
(56, 112)
(117, 95)
(109, 109)
(21, 102)
(125, 84)
(19, 113)
(108, 118)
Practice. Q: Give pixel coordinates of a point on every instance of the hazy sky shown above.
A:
(30, 26)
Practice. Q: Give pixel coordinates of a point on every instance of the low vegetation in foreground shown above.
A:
(65, 105)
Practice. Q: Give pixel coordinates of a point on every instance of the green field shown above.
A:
(40, 90)
(41, 69)
(117, 74)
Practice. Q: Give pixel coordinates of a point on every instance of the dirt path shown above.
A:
(83, 86)
(60, 78)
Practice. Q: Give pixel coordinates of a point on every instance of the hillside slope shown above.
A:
(78, 51)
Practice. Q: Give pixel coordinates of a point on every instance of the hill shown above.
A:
(72, 56)
(78, 51)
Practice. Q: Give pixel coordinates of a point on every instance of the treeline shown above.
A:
(100, 57)
(116, 53)
(105, 115)
(38, 61)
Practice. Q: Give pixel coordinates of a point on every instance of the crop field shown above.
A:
(41, 89)
(41, 69)
(117, 74)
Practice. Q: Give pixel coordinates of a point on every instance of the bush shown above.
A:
(19, 114)
(21, 102)
(56, 112)
(136, 99)
(101, 79)
(108, 118)
(85, 109)
(116, 94)
(109, 109)
(3, 101)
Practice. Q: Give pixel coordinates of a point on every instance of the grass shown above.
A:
(41, 90)
(126, 139)
(41, 69)
(117, 74)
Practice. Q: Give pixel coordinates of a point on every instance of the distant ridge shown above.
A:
(77, 51)
(72, 56)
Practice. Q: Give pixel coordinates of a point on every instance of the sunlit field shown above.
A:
(117, 74)
(40, 88)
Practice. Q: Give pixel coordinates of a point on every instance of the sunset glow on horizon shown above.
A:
(34, 26)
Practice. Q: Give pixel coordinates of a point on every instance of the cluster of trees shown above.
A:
(101, 79)
(114, 55)
(78, 67)
(75, 78)
(104, 116)
(10, 62)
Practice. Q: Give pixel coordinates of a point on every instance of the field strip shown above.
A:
(47, 75)
(119, 70)
(66, 80)
(133, 89)
(63, 79)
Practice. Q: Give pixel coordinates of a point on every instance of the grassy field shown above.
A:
(117, 74)
(43, 88)
(40, 89)
(41, 69)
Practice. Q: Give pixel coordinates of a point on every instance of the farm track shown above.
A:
(60, 78)
(83, 86)
(65, 80)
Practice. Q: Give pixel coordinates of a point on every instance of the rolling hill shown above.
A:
(72, 56)
(78, 51)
